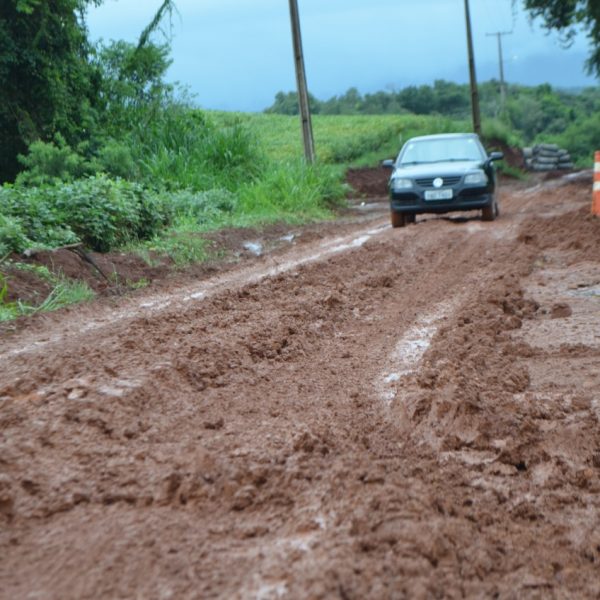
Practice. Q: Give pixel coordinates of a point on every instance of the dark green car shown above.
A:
(442, 173)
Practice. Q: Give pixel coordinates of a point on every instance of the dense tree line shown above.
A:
(47, 84)
(531, 111)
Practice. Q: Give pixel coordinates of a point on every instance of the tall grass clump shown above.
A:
(292, 191)
(182, 148)
(497, 130)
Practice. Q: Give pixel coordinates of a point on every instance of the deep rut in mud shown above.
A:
(412, 415)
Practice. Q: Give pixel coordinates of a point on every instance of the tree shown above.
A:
(49, 84)
(287, 104)
(451, 98)
(565, 16)
(46, 82)
(131, 81)
(419, 100)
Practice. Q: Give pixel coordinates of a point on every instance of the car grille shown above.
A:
(428, 182)
(472, 192)
(407, 198)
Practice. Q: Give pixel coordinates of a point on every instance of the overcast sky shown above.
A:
(237, 54)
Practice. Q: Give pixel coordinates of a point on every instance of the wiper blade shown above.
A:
(458, 160)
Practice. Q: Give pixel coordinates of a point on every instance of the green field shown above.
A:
(339, 139)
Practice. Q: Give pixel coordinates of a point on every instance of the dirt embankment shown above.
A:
(399, 413)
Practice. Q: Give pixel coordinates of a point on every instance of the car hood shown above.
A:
(438, 169)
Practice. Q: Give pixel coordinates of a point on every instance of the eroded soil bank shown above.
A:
(385, 414)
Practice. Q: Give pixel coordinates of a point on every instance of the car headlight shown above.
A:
(398, 184)
(474, 178)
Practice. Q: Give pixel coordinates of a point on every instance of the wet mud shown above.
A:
(405, 413)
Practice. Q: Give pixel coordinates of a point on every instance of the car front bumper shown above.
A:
(413, 201)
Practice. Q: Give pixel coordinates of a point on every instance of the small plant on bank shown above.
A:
(64, 292)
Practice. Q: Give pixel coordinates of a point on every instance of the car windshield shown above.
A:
(440, 150)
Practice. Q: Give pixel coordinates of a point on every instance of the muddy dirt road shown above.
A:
(383, 414)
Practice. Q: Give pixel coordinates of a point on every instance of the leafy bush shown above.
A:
(50, 162)
(100, 212)
(116, 159)
(12, 237)
(105, 213)
(32, 209)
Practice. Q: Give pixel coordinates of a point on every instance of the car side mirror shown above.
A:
(496, 156)
(388, 163)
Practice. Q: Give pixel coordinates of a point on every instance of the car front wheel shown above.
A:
(398, 219)
(489, 213)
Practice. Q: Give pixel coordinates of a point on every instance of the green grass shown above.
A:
(339, 139)
(183, 243)
(289, 192)
(64, 293)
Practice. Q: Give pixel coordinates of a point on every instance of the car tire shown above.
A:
(488, 213)
(410, 218)
(398, 219)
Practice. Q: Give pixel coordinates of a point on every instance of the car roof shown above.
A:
(443, 136)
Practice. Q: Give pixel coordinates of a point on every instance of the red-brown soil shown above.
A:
(405, 413)
(369, 182)
(117, 273)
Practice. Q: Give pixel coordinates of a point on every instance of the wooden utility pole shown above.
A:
(307, 133)
(499, 35)
(472, 76)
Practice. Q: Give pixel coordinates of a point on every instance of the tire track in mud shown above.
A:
(259, 460)
(409, 351)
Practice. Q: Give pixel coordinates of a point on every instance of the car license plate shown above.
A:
(438, 194)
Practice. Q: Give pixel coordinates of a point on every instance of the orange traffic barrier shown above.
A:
(596, 192)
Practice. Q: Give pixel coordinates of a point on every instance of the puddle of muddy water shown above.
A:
(588, 291)
(255, 248)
